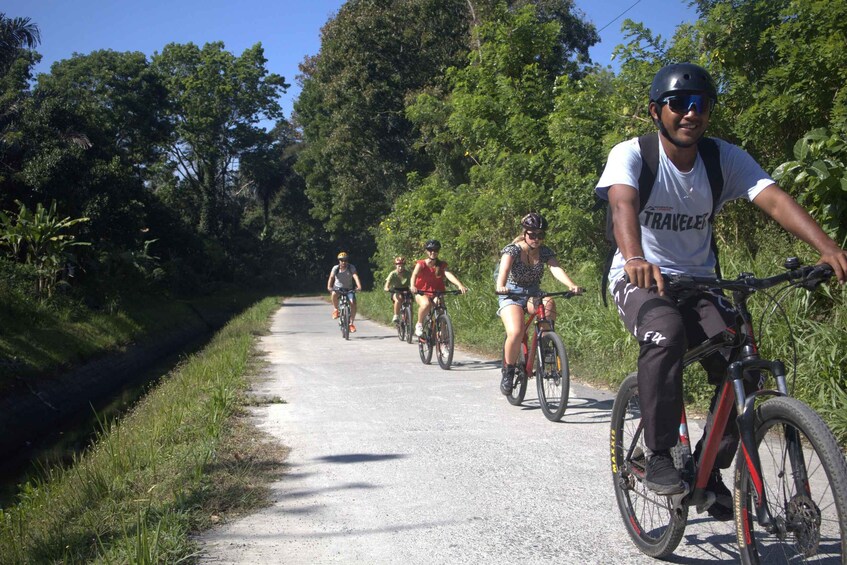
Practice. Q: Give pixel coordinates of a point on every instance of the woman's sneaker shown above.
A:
(395, 319)
(419, 330)
(661, 476)
(507, 380)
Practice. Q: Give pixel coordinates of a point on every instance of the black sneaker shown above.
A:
(506, 382)
(721, 510)
(661, 476)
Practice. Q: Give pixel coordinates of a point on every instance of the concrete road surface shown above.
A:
(393, 461)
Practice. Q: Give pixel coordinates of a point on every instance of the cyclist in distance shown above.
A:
(672, 233)
(398, 278)
(521, 268)
(428, 276)
(344, 275)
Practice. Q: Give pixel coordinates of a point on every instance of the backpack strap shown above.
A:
(711, 155)
(648, 146)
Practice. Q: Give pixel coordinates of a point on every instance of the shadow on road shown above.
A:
(475, 365)
(372, 337)
(360, 457)
(595, 410)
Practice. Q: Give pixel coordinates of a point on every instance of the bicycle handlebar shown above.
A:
(809, 277)
(399, 289)
(540, 294)
(437, 292)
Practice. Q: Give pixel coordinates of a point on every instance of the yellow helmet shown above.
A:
(342, 255)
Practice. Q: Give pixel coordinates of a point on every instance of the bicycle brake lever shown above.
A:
(817, 276)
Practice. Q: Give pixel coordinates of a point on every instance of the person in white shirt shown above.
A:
(672, 233)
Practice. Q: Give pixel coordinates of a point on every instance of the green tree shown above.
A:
(16, 34)
(91, 131)
(783, 64)
(217, 100)
(495, 118)
(359, 143)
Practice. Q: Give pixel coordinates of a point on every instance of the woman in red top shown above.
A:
(428, 276)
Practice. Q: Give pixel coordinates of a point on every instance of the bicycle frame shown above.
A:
(538, 317)
(746, 361)
(438, 307)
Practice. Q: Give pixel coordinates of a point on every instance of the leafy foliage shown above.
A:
(818, 175)
(40, 238)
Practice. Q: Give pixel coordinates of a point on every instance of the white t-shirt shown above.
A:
(675, 230)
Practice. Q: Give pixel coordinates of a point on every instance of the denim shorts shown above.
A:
(518, 300)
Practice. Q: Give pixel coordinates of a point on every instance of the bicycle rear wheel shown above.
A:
(406, 323)
(649, 518)
(552, 376)
(444, 340)
(519, 381)
(344, 321)
(804, 478)
(425, 343)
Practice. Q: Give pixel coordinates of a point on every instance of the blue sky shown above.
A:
(288, 29)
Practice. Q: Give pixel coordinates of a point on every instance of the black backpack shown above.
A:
(649, 147)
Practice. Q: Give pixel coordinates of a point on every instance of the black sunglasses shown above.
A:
(682, 103)
(535, 235)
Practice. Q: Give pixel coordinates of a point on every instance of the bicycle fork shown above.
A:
(749, 450)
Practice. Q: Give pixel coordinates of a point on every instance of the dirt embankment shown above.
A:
(32, 407)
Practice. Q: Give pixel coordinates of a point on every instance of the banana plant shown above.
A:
(40, 238)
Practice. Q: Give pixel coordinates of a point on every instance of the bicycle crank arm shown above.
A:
(679, 502)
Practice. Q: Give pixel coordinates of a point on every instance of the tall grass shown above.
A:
(138, 492)
(603, 353)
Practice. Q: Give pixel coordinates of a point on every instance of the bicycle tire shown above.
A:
(649, 518)
(444, 341)
(345, 321)
(811, 525)
(552, 376)
(401, 325)
(406, 320)
(520, 380)
(425, 343)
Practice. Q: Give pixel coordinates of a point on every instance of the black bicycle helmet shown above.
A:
(433, 245)
(533, 221)
(682, 77)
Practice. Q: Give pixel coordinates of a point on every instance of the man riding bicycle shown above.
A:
(672, 233)
(428, 276)
(344, 276)
(398, 278)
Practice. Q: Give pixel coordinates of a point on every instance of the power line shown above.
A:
(637, 2)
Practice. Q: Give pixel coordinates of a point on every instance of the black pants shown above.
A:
(665, 329)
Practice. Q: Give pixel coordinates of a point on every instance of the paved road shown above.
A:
(393, 461)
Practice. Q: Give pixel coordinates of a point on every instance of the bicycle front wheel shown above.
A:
(344, 321)
(425, 344)
(804, 479)
(444, 340)
(406, 323)
(552, 376)
(649, 518)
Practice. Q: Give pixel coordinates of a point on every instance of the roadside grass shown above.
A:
(184, 458)
(602, 353)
